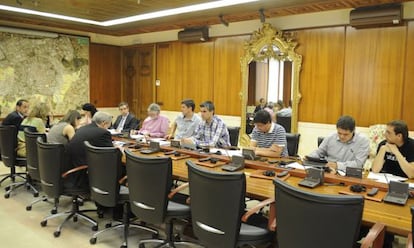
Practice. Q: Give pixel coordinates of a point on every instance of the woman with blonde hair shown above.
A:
(37, 119)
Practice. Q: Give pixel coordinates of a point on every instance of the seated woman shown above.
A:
(64, 130)
(88, 110)
(155, 125)
(37, 118)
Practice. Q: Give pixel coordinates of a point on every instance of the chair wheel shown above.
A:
(92, 241)
(155, 235)
(100, 216)
(27, 187)
(124, 246)
(141, 246)
(28, 208)
(6, 196)
(7, 188)
(95, 228)
(36, 194)
(108, 225)
(53, 211)
(75, 218)
(56, 234)
(43, 223)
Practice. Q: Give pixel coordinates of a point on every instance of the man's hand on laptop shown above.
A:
(333, 166)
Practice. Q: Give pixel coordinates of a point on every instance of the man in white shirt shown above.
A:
(185, 123)
(125, 121)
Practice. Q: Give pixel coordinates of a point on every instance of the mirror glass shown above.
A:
(270, 70)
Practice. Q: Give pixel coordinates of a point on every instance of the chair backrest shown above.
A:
(52, 161)
(292, 143)
(234, 135)
(8, 144)
(149, 182)
(31, 152)
(325, 221)
(285, 122)
(217, 204)
(104, 171)
(320, 140)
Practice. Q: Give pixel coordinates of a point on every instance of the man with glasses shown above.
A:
(212, 131)
(155, 125)
(345, 148)
(125, 121)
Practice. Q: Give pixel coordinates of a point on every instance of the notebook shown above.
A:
(153, 148)
(397, 193)
(237, 163)
(314, 177)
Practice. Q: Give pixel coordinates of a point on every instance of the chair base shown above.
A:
(74, 213)
(15, 185)
(44, 198)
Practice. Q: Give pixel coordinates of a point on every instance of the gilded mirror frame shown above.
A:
(259, 47)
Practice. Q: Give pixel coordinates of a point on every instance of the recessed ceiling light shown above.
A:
(152, 15)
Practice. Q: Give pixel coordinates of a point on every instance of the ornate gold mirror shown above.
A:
(269, 66)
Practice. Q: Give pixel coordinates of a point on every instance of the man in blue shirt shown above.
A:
(211, 131)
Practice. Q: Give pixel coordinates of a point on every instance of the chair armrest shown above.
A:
(375, 237)
(122, 180)
(79, 168)
(178, 189)
(409, 241)
(256, 208)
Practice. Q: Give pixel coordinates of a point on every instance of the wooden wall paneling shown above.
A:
(374, 68)
(321, 77)
(408, 93)
(227, 74)
(129, 74)
(169, 72)
(197, 64)
(105, 75)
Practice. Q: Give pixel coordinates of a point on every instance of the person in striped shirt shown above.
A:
(268, 138)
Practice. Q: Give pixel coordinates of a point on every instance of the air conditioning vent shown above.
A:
(193, 35)
(376, 16)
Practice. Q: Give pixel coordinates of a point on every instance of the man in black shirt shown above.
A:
(395, 155)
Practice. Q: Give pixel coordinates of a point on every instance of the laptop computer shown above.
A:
(153, 148)
(397, 193)
(249, 154)
(237, 163)
(314, 177)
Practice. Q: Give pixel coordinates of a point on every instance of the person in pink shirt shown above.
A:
(155, 125)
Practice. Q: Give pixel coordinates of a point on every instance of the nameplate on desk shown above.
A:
(211, 165)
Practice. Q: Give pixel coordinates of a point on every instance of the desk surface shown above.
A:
(396, 218)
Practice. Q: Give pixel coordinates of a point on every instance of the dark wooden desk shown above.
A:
(396, 218)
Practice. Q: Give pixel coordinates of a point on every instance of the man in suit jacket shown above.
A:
(98, 135)
(125, 121)
(16, 117)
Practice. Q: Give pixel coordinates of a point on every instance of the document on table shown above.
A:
(385, 177)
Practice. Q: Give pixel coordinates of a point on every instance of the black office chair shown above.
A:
(293, 143)
(284, 121)
(410, 235)
(234, 135)
(304, 218)
(320, 140)
(52, 161)
(217, 206)
(8, 144)
(33, 164)
(149, 183)
(105, 171)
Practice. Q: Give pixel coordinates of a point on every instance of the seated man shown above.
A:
(395, 155)
(261, 106)
(125, 121)
(97, 134)
(211, 131)
(268, 137)
(16, 117)
(186, 123)
(345, 148)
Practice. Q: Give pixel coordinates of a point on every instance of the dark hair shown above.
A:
(346, 122)
(71, 117)
(280, 104)
(89, 107)
(400, 127)
(189, 103)
(262, 116)
(20, 102)
(209, 105)
(123, 104)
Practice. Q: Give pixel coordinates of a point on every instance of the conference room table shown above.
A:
(396, 218)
